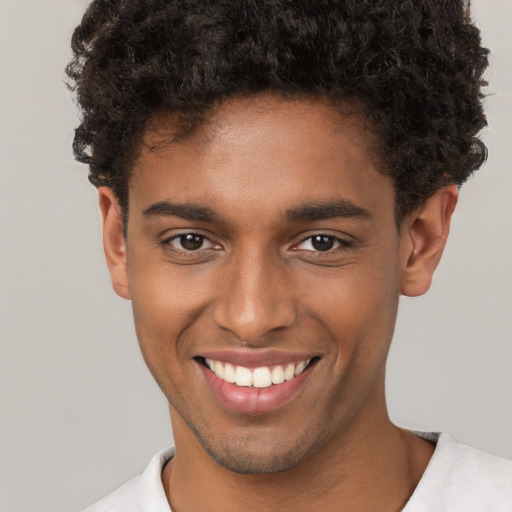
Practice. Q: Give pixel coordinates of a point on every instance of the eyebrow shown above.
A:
(183, 210)
(341, 208)
(302, 213)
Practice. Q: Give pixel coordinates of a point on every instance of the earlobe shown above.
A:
(114, 242)
(423, 238)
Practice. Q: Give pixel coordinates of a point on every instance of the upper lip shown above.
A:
(256, 358)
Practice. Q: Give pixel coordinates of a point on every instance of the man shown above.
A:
(272, 176)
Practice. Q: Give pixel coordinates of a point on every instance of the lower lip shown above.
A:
(250, 400)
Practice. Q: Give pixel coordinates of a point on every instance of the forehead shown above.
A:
(264, 150)
(263, 113)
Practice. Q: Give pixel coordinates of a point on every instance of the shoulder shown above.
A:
(461, 478)
(144, 493)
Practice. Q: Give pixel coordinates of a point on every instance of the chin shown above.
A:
(254, 455)
(239, 458)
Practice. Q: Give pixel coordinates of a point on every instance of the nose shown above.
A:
(254, 298)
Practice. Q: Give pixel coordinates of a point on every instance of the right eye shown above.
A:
(189, 242)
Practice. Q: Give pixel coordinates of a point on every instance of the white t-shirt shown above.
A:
(457, 479)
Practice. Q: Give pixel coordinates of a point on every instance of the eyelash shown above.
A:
(342, 244)
(167, 243)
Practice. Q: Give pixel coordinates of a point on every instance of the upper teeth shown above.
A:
(261, 377)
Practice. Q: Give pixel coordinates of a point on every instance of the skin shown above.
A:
(258, 284)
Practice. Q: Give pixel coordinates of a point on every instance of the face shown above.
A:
(263, 264)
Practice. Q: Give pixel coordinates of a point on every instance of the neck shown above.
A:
(371, 464)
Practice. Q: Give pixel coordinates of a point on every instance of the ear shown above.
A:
(114, 242)
(423, 237)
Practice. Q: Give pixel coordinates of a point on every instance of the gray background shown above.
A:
(79, 413)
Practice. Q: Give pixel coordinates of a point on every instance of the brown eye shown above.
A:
(190, 241)
(190, 247)
(322, 242)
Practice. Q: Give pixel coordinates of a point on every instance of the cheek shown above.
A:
(358, 306)
(165, 303)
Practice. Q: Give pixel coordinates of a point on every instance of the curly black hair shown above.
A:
(414, 67)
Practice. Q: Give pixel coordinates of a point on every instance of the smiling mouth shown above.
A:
(261, 377)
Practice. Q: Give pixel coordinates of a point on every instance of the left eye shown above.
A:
(321, 243)
(190, 242)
